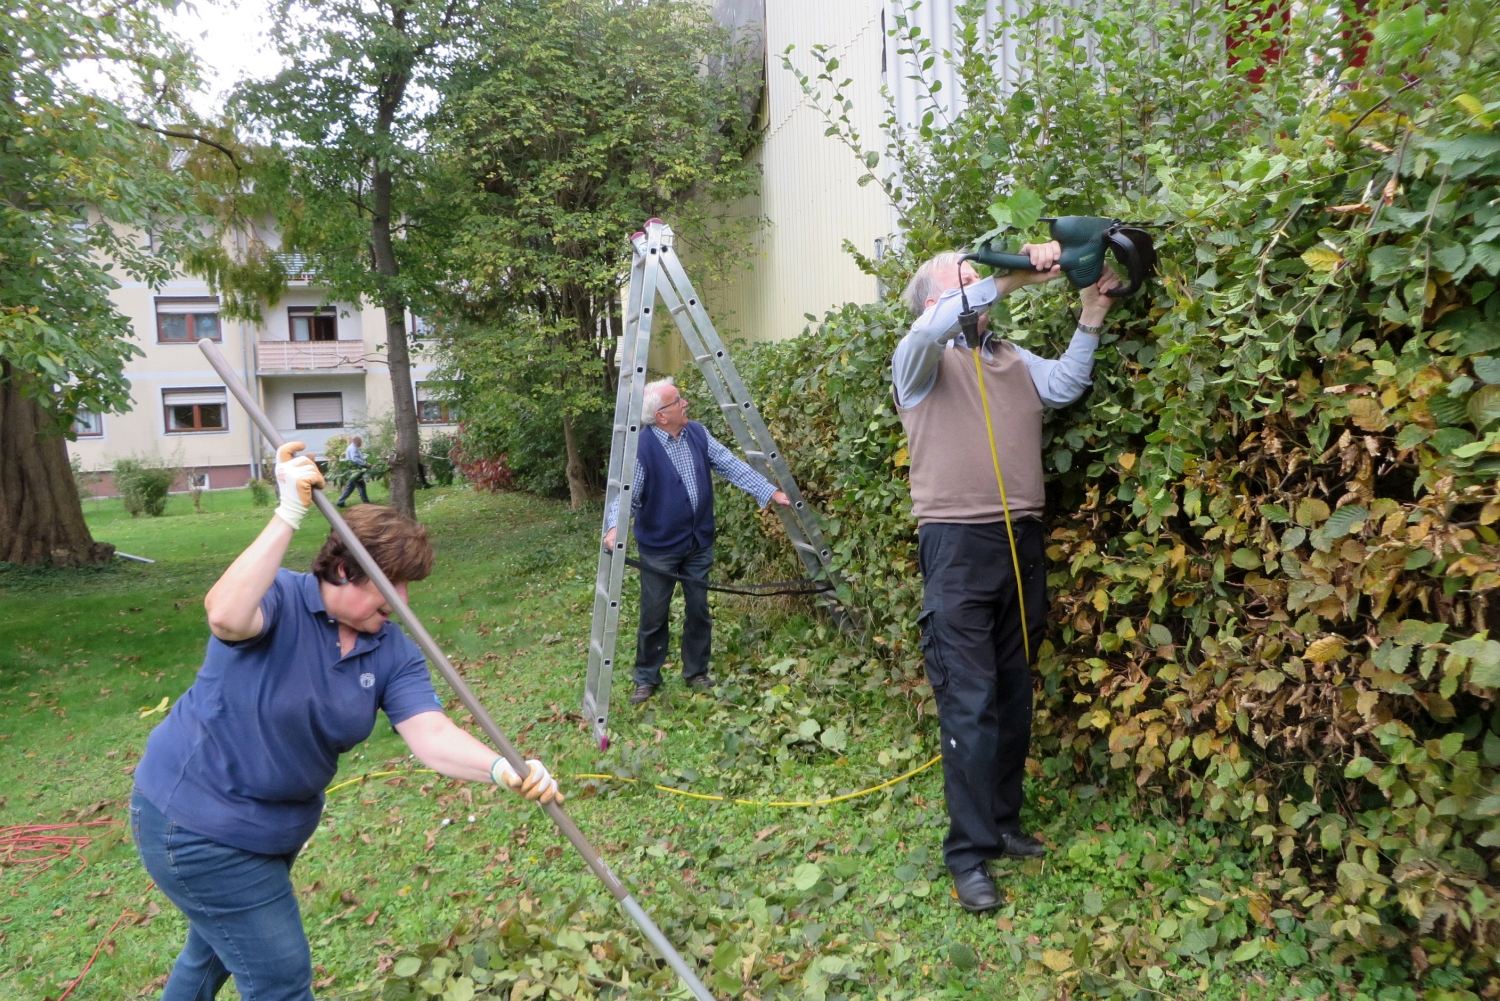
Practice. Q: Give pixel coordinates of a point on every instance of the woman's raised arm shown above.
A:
(233, 603)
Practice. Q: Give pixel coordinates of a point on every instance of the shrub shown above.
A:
(261, 493)
(1274, 547)
(438, 450)
(144, 484)
(479, 472)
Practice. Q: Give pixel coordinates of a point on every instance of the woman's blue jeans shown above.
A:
(242, 913)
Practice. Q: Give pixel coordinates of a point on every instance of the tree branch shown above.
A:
(193, 136)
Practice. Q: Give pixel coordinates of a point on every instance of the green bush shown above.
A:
(261, 493)
(1273, 547)
(144, 484)
(436, 450)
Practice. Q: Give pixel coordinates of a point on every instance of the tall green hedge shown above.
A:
(1274, 547)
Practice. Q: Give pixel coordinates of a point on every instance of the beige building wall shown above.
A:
(810, 200)
(266, 359)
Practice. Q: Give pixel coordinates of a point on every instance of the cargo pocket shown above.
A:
(932, 651)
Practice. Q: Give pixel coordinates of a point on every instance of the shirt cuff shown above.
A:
(763, 495)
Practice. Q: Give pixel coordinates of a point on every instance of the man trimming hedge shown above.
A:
(971, 620)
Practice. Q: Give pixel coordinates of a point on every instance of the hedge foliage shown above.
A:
(1274, 551)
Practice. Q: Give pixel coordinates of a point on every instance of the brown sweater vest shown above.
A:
(952, 473)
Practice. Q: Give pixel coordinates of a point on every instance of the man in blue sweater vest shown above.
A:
(673, 508)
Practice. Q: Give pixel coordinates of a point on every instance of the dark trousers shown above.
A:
(653, 635)
(241, 910)
(976, 664)
(358, 481)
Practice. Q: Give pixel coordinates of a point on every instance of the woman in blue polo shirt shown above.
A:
(231, 784)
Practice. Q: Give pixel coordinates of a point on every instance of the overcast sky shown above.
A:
(230, 37)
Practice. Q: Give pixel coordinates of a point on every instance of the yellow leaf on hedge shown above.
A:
(1056, 960)
(1365, 701)
(1101, 600)
(902, 457)
(1326, 648)
(1490, 513)
(1474, 107)
(1311, 511)
(1367, 414)
(1322, 259)
(1127, 460)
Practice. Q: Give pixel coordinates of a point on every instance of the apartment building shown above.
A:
(317, 367)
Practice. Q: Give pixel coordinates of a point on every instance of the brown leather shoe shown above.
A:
(641, 694)
(702, 682)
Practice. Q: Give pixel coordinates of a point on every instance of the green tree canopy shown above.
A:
(89, 189)
(573, 124)
(347, 122)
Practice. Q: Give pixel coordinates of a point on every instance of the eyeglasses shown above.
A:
(681, 401)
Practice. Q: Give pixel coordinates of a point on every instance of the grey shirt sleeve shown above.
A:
(914, 366)
(915, 363)
(1060, 381)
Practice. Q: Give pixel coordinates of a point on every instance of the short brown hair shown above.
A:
(398, 544)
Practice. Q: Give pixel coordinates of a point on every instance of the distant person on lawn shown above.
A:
(231, 784)
(673, 506)
(356, 455)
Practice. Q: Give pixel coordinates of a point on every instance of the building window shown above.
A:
(318, 410)
(431, 408)
(313, 323)
(87, 424)
(189, 410)
(183, 320)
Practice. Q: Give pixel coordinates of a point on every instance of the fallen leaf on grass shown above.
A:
(1056, 960)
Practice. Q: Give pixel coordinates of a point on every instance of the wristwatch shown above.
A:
(1084, 328)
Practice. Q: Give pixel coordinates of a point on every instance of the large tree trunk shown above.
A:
(404, 471)
(578, 484)
(41, 517)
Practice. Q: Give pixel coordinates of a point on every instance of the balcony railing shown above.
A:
(310, 356)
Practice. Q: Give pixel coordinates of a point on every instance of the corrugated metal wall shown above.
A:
(810, 199)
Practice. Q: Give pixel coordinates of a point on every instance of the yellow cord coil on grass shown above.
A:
(681, 792)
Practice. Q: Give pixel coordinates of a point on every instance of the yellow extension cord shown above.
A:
(680, 792)
(989, 431)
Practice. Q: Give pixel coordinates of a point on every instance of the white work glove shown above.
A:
(295, 480)
(539, 783)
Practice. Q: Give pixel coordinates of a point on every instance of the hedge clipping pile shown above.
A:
(1274, 549)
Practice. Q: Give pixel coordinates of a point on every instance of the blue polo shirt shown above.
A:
(245, 754)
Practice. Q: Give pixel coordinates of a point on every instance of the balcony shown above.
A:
(282, 357)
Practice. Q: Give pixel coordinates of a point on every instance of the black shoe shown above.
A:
(702, 682)
(641, 694)
(976, 890)
(1022, 846)
(338, 503)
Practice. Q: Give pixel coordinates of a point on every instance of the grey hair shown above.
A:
(651, 399)
(926, 283)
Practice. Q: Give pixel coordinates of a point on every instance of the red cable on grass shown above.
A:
(97, 949)
(30, 846)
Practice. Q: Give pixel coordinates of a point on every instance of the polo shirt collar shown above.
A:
(312, 594)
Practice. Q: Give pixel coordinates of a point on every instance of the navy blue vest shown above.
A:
(667, 522)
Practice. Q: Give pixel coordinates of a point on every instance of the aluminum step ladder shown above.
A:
(657, 273)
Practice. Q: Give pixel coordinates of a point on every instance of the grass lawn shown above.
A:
(848, 900)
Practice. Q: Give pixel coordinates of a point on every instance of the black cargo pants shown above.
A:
(976, 664)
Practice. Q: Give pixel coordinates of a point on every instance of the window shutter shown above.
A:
(187, 304)
(189, 397)
(321, 409)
